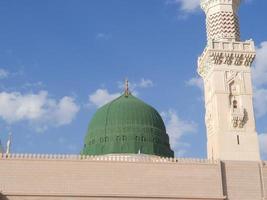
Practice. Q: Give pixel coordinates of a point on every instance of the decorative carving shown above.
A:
(206, 4)
(209, 122)
(234, 83)
(223, 25)
(238, 113)
(231, 75)
(227, 53)
(238, 117)
(238, 59)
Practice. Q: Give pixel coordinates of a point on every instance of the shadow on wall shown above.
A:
(2, 197)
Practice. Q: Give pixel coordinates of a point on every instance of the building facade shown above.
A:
(52, 177)
(126, 152)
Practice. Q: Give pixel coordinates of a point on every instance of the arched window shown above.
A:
(143, 139)
(118, 138)
(106, 139)
(235, 104)
(156, 140)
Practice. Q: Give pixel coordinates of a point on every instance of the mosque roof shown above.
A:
(127, 125)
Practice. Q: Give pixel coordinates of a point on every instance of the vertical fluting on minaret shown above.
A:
(222, 21)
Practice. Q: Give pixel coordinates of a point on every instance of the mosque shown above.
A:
(127, 154)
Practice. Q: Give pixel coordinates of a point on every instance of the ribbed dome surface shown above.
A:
(127, 125)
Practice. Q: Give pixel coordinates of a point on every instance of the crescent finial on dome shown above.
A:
(126, 88)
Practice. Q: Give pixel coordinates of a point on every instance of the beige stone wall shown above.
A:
(125, 178)
(264, 172)
(242, 180)
(88, 178)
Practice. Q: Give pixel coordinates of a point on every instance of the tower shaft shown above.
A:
(225, 67)
(221, 19)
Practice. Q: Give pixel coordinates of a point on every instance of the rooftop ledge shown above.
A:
(106, 158)
(131, 158)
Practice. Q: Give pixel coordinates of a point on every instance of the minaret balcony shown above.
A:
(232, 53)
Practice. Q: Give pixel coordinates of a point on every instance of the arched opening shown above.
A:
(235, 104)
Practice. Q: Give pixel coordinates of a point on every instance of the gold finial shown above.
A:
(126, 88)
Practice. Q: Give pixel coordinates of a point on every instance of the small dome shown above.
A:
(127, 125)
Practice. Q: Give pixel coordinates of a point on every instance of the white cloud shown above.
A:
(65, 111)
(134, 86)
(3, 73)
(176, 129)
(259, 74)
(188, 6)
(260, 102)
(38, 84)
(145, 83)
(103, 36)
(259, 70)
(102, 96)
(197, 82)
(38, 109)
(263, 144)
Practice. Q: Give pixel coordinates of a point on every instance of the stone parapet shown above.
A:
(106, 158)
(125, 177)
(38, 177)
(226, 53)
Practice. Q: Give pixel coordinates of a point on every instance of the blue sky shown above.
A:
(60, 60)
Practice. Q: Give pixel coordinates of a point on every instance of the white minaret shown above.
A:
(225, 67)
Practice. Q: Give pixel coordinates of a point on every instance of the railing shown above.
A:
(246, 47)
(105, 158)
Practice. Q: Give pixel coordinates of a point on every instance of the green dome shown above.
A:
(127, 125)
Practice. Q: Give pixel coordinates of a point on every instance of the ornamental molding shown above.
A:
(238, 117)
(209, 122)
(131, 158)
(222, 25)
(52, 195)
(227, 53)
(207, 4)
